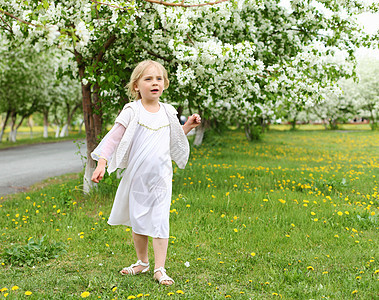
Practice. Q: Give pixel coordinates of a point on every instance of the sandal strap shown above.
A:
(164, 276)
(139, 262)
(160, 269)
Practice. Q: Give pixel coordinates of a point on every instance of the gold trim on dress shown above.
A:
(153, 128)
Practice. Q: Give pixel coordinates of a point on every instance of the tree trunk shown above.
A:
(293, 124)
(45, 124)
(13, 132)
(64, 131)
(97, 113)
(81, 126)
(199, 134)
(57, 131)
(90, 135)
(247, 132)
(30, 124)
(4, 125)
(253, 132)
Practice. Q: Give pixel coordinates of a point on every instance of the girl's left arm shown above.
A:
(192, 122)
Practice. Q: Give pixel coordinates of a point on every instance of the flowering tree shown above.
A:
(234, 61)
(364, 94)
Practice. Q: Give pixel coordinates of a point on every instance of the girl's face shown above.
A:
(151, 84)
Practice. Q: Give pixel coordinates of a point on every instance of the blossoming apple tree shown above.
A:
(232, 61)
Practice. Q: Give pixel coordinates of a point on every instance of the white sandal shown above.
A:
(164, 276)
(131, 271)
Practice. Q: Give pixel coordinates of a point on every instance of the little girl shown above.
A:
(146, 136)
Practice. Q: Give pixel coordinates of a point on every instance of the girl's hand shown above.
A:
(99, 172)
(193, 121)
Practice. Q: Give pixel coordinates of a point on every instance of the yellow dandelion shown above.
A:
(3, 289)
(168, 294)
(27, 198)
(221, 262)
(315, 219)
(252, 254)
(131, 297)
(139, 295)
(336, 236)
(222, 216)
(227, 194)
(282, 201)
(376, 272)
(114, 289)
(85, 294)
(354, 292)
(235, 230)
(188, 205)
(14, 288)
(340, 213)
(179, 292)
(127, 229)
(28, 293)
(310, 268)
(265, 200)
(312, 213)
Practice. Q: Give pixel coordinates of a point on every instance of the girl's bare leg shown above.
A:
(160, 253)
(141, 246)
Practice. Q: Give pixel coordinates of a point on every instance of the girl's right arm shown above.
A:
(99, 172)
(105, 149)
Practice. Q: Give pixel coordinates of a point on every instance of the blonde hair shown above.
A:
(138, 72)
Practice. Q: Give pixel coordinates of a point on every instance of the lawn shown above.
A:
(294, 216)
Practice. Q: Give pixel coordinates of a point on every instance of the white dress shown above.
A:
(143, 197)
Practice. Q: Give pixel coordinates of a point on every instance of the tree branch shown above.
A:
(161, 2)
(9, 29)
(18, 19)
(110, 5)
(185, 5)
(107, 44)
(157, 55)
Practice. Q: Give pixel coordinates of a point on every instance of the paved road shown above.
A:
(23, 166)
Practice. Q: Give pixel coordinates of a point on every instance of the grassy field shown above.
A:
(25, 138)
(294, 216)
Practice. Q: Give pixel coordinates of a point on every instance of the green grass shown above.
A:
(24, 139)
(294, 216)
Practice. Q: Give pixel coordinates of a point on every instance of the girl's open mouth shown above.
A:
(155, 90)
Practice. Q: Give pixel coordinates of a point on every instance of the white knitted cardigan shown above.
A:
(179, 146)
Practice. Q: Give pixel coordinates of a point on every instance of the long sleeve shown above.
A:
(109, 143)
